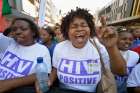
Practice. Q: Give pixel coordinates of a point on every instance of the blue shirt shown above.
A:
(51, 48)
(135, 43)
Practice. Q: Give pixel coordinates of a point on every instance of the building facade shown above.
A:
(120, 9)
(50, 13)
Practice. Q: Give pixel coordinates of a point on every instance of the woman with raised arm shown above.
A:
(76, 62)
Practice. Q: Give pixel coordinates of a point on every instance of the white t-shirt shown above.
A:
(78, 69)
(19, 61)
(134, 77)
(131, 58)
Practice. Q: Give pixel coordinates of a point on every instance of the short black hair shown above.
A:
(32, 25)
(79, 12)
(49, 30)
(121, 30)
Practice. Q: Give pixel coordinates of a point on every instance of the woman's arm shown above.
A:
(6, 85)
(109, 39)
(117, 63)
(53, 76)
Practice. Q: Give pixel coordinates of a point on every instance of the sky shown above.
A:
(92, 5)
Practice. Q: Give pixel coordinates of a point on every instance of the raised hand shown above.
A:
(109, 36)
(103, 21)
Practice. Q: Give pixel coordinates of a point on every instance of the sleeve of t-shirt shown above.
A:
(47, 59)
(137, 57)
(4, 42)
(134, 77)
(134, 58)
(55, 59)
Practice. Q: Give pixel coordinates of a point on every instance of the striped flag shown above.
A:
(5, 8)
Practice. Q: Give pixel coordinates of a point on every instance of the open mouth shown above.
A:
(126, 46)
(80, 37)
(19, 38)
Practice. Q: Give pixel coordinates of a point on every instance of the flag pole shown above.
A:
(42, 11)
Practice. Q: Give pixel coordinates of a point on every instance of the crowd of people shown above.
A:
(73, 62)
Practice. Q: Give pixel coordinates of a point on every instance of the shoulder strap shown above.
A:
(103, 70)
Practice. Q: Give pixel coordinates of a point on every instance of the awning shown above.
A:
(127, 21)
